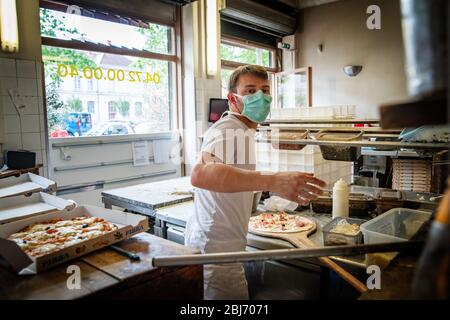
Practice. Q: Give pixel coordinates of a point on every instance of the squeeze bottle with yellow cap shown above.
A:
(340, 199)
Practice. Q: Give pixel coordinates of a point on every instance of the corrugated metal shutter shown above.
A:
(151, 10)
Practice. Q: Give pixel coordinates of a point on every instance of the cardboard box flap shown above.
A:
(15, 257)
(25, 184)
(19, 207)
(118, 217)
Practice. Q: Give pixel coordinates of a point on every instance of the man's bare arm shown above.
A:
(215, 176)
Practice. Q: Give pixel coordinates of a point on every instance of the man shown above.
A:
(225, 179)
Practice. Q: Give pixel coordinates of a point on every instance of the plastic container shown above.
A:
(333, 238)
(339, 153)
(396, 225)
(388, 199)
(340, 199)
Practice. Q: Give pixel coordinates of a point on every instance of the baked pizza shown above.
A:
(279, 222)
(46, 237)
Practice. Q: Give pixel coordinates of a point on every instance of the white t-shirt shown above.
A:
(220, 220)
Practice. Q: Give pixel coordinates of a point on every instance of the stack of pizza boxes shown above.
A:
(30, 199)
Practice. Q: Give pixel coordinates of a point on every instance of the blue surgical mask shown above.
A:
(256, 106)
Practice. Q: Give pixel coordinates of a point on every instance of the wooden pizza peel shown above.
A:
(300, 240)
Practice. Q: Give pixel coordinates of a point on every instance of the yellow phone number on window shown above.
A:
(108, 74)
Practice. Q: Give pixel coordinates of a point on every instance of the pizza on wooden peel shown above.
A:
(279, 222)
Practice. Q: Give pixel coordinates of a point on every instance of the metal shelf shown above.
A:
(320, 121)
(391, 144)
(372, 130)
(365, 151)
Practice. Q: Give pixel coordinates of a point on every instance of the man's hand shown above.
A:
(296, 186)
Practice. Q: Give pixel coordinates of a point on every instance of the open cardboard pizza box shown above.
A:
(27, 183)
(128, 225)
(20, 207)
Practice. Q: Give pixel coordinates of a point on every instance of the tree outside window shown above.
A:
(74, 105)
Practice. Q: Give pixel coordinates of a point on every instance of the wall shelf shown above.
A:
(320, 121)
(373, 131)
(379, 144)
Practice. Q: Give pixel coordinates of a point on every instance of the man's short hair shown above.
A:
(254, 70)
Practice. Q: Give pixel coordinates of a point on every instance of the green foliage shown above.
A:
(55, 107)
(123, 107)
(52, 56)
(74, 105)
(157, 38)
(245, 55)
(50, 24)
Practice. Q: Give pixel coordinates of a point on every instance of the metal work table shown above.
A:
(146, 198)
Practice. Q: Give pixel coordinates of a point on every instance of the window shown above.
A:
(248, 55)
(116, 129)
(77, 83)
(90, 84)
(91, 107)
(112, 110)
(294, 88)
(128, 60)
(236, 53)
(138, 109)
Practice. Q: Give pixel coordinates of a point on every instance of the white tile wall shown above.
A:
(7, 67)
(41, 106)
(12, 141)
(307, 160)
(39, 70)
(32, 105)
(31, 123)
(12, 124)
(26, 69)
(42, 123)
(43, 140)
(7, 106)
(31, 141)
(7, 83)
(26, 131)
(44, 157)
(27, 87)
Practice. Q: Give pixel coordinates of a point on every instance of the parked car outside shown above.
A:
(112, 127)
(144, 127)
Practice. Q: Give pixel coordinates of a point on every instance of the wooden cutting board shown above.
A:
(300, 240)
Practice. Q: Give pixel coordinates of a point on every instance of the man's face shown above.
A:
(247, 84)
